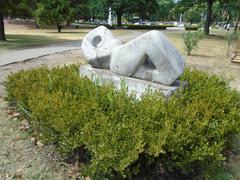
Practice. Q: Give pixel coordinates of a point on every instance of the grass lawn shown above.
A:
(15, 41)
(27, 36)
(22, 36)
(211, 55)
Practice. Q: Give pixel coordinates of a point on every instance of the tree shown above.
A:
(81, 9)
(194, 14)
(163, 9)
(99, 8)
(186, 4)
(232, 5)
(141, 7)
(6, 8)
(25, 8)
(55, 12)
(14, 8)
(209, 16)
(2, 29)
(232, 9)
(236, 7)
(119, 6)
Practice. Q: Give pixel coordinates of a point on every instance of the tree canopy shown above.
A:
(143, 8)
(15, 8)
(214, 9)
(59, 12)
(55, 12)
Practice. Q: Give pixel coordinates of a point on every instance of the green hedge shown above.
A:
(125, 137)
(89, 25)
(150, 27)
(191, 27)
(130, 26)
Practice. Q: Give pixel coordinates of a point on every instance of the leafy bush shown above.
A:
(127, 26)
(125, 137)
(191, 40)
(92, 25)
(131, 26)
(189, 27)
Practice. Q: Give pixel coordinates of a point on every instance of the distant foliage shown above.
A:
(55, 12)
(117, 136)
(194, 13)
(162, 27)
(191, 41)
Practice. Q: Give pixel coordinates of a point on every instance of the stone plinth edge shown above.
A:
(134, 85)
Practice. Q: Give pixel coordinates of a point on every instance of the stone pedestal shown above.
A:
(137, 86)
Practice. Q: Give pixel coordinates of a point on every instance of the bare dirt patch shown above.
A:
(23, 157)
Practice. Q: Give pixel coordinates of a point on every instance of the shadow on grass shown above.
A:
(216, 37)
(202, 55)
(18, 41)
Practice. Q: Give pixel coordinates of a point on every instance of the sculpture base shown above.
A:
(137, 86)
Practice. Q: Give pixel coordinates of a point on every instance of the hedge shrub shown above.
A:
(149, 27)
(125, 137)
(127, 26)
(189, 27)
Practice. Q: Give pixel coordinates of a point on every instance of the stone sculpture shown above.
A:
(150, 56)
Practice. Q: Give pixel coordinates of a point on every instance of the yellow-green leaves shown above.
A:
(123, 136)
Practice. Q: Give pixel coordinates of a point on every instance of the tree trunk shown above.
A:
(59, 27)
(237, 20)
(119, 19)
(2, 30)
(209, 17)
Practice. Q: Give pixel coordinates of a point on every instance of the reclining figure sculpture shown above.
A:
(150, 56)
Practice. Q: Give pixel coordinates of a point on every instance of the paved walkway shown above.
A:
(23, 55)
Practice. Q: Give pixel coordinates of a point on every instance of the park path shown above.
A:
(28, 54)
